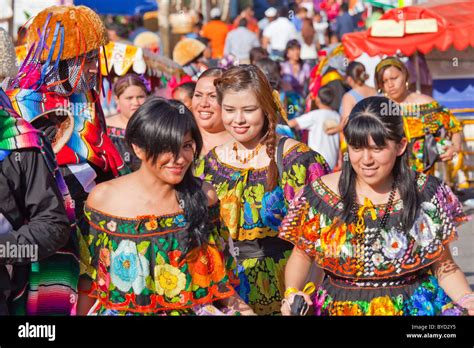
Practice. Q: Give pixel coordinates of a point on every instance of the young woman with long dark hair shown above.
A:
(255, 175)
(378, 229)
(154, 242)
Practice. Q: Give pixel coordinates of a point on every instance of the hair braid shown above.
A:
(270, 144)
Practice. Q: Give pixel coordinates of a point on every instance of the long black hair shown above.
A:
(159, 126)
(381, 119)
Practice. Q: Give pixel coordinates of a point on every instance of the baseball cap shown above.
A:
(215, 12)
(271, 12)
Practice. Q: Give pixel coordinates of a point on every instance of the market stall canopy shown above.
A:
(123, 59)
(119, 7)
(437, 24)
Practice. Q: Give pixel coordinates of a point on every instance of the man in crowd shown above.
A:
(240, 41)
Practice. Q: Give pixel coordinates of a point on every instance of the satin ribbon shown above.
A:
(360, 226)
(308, 289)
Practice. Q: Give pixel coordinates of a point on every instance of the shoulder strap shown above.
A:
(279, 155)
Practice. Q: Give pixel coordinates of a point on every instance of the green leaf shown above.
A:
(222, 189)
(150, 284)
(90, 239)
(254, 215)
(259, 190)
(160, 260)
(143, 247)
(174, 244)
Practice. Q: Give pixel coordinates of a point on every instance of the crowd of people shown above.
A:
(229, 196)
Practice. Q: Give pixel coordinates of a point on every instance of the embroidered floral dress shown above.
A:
(427, 127)
(143, 266)
(117, 135)
(252, 217)
(376, 273)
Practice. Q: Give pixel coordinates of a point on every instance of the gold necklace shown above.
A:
(249, 157)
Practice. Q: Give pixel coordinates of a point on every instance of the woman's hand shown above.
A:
(467, 302)
(448, 155)
(287, 302)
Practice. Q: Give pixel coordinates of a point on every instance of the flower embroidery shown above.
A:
(151, 225)
(206, 265)
(169, 280)
(104, 256)
(394, 244)
(129, 269)
(180, 221)
(333, 238)
(382, 306)
(315, 170)
(424, 228)
(273, 208)
(377, 259)
(229, 212)
(289, 191)
(112, 226)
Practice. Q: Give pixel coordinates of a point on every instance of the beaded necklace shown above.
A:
(359, 214)
(249, 157)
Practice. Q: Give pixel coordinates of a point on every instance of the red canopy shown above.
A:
(455, 21)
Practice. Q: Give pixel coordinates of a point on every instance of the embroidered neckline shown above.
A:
(334, 195)
(141, 218)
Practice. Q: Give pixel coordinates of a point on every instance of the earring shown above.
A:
(407, 84)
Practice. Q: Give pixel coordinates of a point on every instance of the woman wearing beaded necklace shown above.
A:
(255, 175)
(378, 229)
(433, 133)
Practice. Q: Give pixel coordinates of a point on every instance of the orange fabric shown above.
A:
(252, 24)
(216, 31)
(455, 28)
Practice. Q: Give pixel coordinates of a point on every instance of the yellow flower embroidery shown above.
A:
(151, 225)
(169, 280)
(382, 306)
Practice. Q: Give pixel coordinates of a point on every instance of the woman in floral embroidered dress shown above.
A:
(380, 230)
(153, 235)
(433, 132)
(245, 174)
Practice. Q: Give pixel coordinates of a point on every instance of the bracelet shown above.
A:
(464, 298)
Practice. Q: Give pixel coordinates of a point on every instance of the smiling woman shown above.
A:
(379, 230)
(255, 182)
(153, 235)
(207, 111)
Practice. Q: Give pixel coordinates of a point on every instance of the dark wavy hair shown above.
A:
(381, 119)
(159, 126)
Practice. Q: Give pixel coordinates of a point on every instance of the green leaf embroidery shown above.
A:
(160, 260)
(150, 284)
(143, 247)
